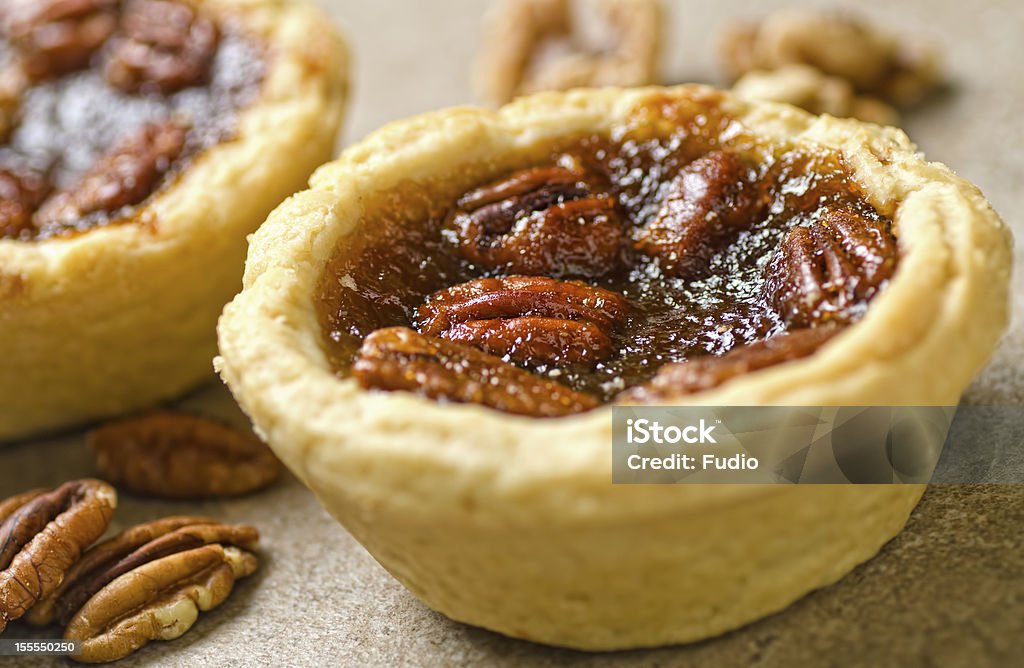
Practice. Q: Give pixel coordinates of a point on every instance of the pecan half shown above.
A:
(179, 456)
(21, 191)
(53, 37)
(705, 373)
(44, 537)
(828, 272)
(398, 358)
(165, 46)
(529, 319)
(126, 175)
(711, 201)
(129, 550)
(543, 220)
(159, 600)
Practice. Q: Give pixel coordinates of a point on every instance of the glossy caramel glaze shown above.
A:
(407, 250)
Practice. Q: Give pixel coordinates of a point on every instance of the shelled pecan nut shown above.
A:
(398, 358)
(897, 68)
(529, 319)
(54, 37)
(705, 373)
(544, 220)
(708, 204)
(21, 191)
(159, 600)
(130, 549)
(44, 537)
(828, 272)
(165, 46)
(179, 456)
(127, 174)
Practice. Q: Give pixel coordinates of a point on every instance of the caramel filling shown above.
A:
(663, 258)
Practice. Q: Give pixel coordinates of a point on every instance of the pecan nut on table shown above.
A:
(174, 455)
(147, 583)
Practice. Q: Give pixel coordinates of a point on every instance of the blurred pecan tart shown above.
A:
(140, 142)
(432, 338)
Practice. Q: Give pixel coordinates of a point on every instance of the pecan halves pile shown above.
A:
(158, 600)
(543, 220)
(54, 37)
(164, 46)
(535, 45)
(44, 536)
(705, 373)
(530, 319)
(127, 174)
(398, 358)
(133, 548)
(21, 191)
(874, 61)
(178, 456)
(830, 270)
(711, 201)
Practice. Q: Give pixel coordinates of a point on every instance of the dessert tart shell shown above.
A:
(512, 523)
(122, 316)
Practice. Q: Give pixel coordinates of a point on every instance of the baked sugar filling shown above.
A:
(103, 102)
(662, 258)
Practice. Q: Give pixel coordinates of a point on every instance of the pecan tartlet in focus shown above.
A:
(433, 336)
(140, 142)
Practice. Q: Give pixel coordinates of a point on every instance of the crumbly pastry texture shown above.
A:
(512, 523)
(122, 316)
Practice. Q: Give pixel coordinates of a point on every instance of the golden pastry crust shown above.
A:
(512, 523)
(122, 316)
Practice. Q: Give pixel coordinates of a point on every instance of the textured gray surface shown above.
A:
(948, 592)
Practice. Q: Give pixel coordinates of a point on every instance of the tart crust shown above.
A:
(512, 523)
(122, 316)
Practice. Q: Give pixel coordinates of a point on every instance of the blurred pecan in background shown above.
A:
(542, 220)
(54, 37)
(127, 174)
(535, 45)
(178, 456)
(531, 319)
(874, 61)
(810, 89)
(157, 600)
(43, 535)
(708, 204)
(164, 46)
(397, 358)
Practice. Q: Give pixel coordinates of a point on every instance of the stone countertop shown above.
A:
(949, 591)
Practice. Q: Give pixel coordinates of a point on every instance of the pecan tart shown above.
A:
(140, 142)
(433, 335)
